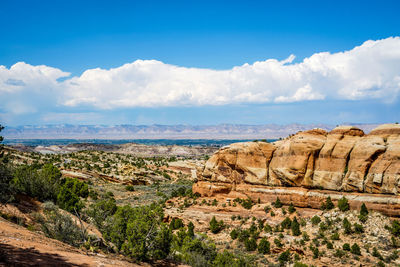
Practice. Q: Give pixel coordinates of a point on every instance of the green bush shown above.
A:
(335, 236)
(277, 204)
(395, 228)
(130, 188)
(101, 210)
(227, 259)
(175, 224)
(278, 243)
(42, 184)
(250, 244)
(60, 226)
(286, 223)
(347, 226)
(376, 254)
(346, 246)
(190, 231)
(299, 264)
(197, 252)
(291, 208)
(234, 234)
(295, 227)
(216, 226)
(339, 253)
(355, 249)
(328, 204)
(264, 246)
(358, 228)
(69, 194)
(315, 220)
(139, 232)
(284, 257)
(343, 204)
(6, 186)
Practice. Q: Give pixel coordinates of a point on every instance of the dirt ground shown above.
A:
(21, 247)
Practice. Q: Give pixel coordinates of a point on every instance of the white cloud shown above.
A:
(369, 71)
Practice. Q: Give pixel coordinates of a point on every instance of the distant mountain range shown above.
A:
(221, 131)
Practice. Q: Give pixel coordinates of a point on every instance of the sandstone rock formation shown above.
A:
(344, 159)
(240, 162)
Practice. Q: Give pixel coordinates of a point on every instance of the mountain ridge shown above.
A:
(156, 131)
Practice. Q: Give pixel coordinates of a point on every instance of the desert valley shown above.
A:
(314, 198)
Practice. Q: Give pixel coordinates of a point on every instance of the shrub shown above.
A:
(243, 235)
(264, 246)
(355, 249)
(395, 229)
(358, 228)
(230, 260)
(346, 246)
(363, 210)
(291, 208)
(190, 231)
(216, 226)
(347, 226)
(175, 224)
(234, 234)
(299, 264)
(139, 232)
(101, 210)
(315, 220)
(42, 184)
(305, 236)
(339, 253)
(286, 223)
(284, 257)
(246, 203)
(335, 236)
(328, 204)
(376, 254)
(267, 228)
(343, 204)
(60, 226)
(267, 209)
(315, 252)
(250, 244)
(6, 187)
(130, 188)
(295, 227)
(277, 204)
(329, 245)
(278, 243)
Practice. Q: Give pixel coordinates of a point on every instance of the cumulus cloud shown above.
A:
(368, 71)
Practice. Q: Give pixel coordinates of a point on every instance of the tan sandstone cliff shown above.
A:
(343, 160)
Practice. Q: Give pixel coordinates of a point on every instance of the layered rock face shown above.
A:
(344, 159)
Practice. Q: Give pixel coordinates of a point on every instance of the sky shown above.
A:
(199, 62)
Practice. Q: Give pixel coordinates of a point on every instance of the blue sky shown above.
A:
(199, 49)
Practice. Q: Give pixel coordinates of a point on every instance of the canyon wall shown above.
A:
(342, 160)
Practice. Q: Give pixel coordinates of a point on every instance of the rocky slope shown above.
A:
(344, 159)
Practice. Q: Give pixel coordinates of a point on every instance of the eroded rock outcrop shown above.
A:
(331, 164)
(240, 163)
(344, 159)
(293, 161)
